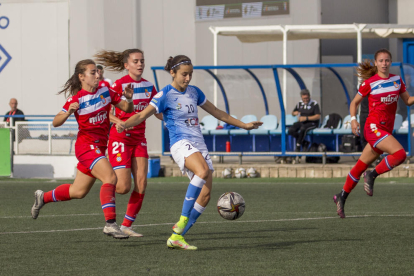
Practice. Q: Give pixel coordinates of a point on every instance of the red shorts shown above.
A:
(374, 136)
(88, 156)
(120, 155)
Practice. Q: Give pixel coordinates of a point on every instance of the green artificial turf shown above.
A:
(290, 227)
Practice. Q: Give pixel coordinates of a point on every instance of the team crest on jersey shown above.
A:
(158, 95)
(118, 157)
(389, 99)
(103, 99)
(178, 106)
(97, 150)
(375, 129)
(147, 94)
(396, 85)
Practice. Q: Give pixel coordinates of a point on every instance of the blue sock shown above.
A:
(195, 213)
(193, 191)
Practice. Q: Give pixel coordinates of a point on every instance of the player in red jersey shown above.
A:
(91, 105)
(102, 80)
(383, 90)
(127, 151)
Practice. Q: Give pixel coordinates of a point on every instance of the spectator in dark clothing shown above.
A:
(309, 115)
(13, 111)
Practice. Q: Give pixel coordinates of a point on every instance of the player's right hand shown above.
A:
(355, 127)
(120, 127)
(73, 107)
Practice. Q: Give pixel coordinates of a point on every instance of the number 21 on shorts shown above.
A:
(117, 145)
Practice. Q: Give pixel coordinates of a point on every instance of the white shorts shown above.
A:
(184, 148)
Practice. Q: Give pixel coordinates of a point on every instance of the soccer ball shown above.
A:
(251, 173)
(227, 173)
(230, 205)
(240, 173)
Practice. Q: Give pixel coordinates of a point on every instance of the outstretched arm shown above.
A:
(225, 117)
(136, 119)
(407, 99)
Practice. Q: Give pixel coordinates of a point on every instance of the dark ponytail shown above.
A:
(174, 63)
(73, 84)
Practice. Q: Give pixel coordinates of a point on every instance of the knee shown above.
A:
(203, 173)
(111, 178)
(122, 189)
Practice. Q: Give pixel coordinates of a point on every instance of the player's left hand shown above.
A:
(120, 127)
(253, 125)
(302, 119)
(128, 92)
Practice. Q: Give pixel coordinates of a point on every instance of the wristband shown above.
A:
(353, 118)
(129, 100)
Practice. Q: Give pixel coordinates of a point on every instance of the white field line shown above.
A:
(206, 222)
(205, 214)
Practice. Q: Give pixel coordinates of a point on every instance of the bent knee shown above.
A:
(203, 173)
(111, 178)
(122, 189)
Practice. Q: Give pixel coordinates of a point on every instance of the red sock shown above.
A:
(60, 193)
(353, 176)
(391, 161)
(134, 205)
(108, 201)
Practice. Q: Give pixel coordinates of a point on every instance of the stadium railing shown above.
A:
(282, 138)
(36, 135)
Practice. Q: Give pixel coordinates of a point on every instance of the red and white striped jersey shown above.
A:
(144, 91)
(93, 114)
(383, 94)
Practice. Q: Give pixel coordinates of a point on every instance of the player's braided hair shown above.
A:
(174, 63)
(367, 68)
(73, 84)
(114, 61)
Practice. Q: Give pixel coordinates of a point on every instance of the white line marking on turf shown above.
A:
(205, 214)
(206, 222)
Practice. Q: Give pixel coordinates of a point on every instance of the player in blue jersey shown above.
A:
(178, 102)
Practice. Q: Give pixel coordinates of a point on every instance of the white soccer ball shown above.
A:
(227, 173)
(251, 173)
(240, 173)
(231, 205)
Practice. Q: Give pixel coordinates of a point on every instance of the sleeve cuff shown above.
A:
(156, 107)
(205, 100)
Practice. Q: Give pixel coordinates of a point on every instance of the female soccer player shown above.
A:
(128, 150)
(383, 90)
(91, 106)
(178, 102)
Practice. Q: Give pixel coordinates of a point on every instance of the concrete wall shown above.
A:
(37, 41)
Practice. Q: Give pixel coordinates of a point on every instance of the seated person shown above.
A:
(309, 115)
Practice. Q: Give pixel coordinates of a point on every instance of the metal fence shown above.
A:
(42, 138)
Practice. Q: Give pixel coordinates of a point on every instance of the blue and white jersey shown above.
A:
(180, 112)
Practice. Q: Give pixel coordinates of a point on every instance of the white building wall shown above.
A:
(37, 41)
